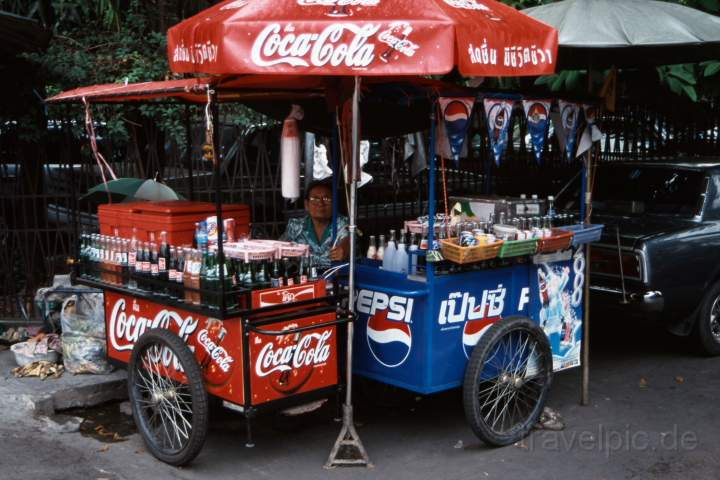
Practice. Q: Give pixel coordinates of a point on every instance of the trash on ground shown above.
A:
(41, 368)
(550, 420)
(83, 326)
(42, 347)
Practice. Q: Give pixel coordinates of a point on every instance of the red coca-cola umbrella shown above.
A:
(363, 37)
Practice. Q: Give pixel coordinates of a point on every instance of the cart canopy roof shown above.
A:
(390, 106)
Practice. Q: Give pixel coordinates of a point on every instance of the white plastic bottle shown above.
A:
(390, 249)
(400, 261)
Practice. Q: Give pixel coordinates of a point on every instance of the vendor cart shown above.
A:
(415, 331)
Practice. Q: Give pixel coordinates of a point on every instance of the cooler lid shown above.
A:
(186, 207)
(127, 207)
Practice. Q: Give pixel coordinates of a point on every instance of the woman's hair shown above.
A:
(317, 183)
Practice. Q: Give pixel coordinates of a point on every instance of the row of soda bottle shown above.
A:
(399, 257)
(184, 274)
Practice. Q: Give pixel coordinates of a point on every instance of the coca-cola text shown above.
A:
(277, 45)
(311, 350)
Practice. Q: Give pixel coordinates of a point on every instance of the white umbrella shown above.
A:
(629, 33)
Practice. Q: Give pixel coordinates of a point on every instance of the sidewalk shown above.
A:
(45, 397)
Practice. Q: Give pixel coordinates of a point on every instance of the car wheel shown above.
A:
(707, 326)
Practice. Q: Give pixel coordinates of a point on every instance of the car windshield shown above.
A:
(648, 190)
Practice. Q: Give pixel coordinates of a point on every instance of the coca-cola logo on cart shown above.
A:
(311, 350)
(124, 330)
(338, 44)
(218, 354)
(288, 295)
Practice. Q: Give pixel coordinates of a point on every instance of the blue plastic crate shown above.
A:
(584, 233)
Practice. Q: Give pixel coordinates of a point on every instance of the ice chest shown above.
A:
(116, 216)
(176, 217)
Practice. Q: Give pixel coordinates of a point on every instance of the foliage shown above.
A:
(111, 41)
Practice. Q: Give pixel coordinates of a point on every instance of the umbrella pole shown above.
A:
(354, 452)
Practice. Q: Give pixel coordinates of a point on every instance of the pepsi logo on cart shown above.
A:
(390, 342)
(473, 330)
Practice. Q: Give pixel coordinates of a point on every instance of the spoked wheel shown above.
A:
(168, 397)
(507, 380)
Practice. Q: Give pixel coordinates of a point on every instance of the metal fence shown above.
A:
(39, 187)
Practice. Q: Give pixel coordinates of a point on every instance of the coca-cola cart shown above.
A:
(257, 355)
(282, 349)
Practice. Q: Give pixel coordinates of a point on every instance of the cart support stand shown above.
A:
(348, 435)
(587, 210)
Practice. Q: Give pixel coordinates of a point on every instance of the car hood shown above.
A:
(634, 230)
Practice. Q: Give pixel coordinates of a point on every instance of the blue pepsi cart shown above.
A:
(497, 329)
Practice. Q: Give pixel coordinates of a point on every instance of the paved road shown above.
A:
(654, 415)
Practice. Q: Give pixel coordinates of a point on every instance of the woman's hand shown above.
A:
(342, 251)
(337, 253)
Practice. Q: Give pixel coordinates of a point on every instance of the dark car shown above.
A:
(660, 250)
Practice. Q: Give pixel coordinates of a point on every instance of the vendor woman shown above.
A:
(315, 227)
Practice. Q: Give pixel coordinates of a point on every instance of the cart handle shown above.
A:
(298, 329)
(393, 291)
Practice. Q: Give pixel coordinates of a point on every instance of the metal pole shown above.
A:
(309, 158)
(586, 202)
(188, 151)
(218, 200)
(348, 435)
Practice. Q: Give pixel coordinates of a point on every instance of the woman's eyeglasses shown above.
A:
(320, 199)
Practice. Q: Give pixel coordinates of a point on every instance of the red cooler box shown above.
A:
(116, 216)
(176, 217)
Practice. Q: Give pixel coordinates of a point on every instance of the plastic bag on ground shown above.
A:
(83, 334)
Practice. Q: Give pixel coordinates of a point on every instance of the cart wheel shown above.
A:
(168, 397)
(507, 380)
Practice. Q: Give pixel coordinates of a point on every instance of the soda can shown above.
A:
(467, 239)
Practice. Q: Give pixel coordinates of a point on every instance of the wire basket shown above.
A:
(518, 248)
(457, 254)
(559, 240)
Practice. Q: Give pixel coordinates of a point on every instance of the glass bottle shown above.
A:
(380, 255)
(212, 282)
(412, 252)
(424, 240)
(262, 279)
(230, 294)
(154, 269)
(303, 274)
(372, 248)
(275, 278)
(163, 259)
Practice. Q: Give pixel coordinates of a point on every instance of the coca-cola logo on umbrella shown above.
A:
(396, 37)
(345, 44)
